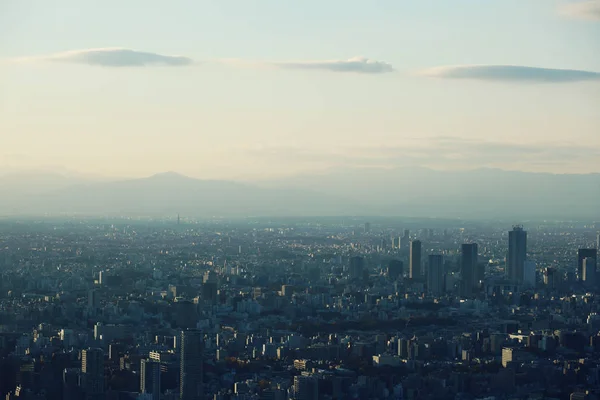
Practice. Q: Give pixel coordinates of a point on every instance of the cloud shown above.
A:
(589, 9)
(442, 152)
(116, 57)
(511, 73)
(357, 65)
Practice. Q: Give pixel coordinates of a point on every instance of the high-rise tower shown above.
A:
(92, 373)
(191, 368)
(357, 267)
(582, 254)
(468, 268)
(517, 254)
(150, 378)
(415, 260)
(435, 274)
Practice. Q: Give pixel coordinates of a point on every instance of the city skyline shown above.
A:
(274, 96)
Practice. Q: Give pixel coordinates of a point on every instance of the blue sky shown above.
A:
(269, 89)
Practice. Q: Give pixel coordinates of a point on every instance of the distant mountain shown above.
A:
(480, 193)
(168, 194)
(417, 192)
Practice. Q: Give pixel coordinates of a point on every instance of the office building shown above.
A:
(582, 254)
(507, 356)
(92, 373)
(71, 385)
(529, 268)
(415, 260)
(517, 254)
(191, 365)
(405, 239)
(588, 271)
(435, 274)
(93, 301)
(306, 387)
(468, 268)
(395, 269)
(550, 278)
(367, 227)
(150, 378)
(357, 267)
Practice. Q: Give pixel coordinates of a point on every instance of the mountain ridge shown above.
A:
(419, 192)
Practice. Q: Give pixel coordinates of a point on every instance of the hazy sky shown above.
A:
(240, 89)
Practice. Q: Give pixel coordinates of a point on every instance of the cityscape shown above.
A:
(299, 200)
(322, 308)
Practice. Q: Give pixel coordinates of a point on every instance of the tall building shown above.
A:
(92, 373)
(191, 368)
(435, 274)
(507, 356)
(598, 241)
(395, 269)
(415, 259)
(150, 378)
(588, 274)
(468, 268)
(367, 227)
(357, 267)
(71, 384)
(582, 254)
(93, 301)
(517, 254)
(550, 278)
(405, 240)
(529, 268)
(306, 387)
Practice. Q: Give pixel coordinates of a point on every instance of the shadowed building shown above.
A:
(92, 373)
(582, 254)
(415, 260)
(468, 268)
(191, 367)
(395, 269)
(517, 253)
(435, 274)
(357, 267)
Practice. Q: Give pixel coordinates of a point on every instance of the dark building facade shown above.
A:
(468, 268)
(191, 366)
(517, 254)
(415, 259)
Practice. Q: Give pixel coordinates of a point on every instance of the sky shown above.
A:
(269, 88)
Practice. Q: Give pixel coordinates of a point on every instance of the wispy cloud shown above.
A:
(114, 57)
(589, 9)
(442, 152)
(511, 73)
(357, 65)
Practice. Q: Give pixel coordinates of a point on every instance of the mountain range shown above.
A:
(417, 192)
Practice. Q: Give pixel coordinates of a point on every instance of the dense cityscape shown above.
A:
(304, 309)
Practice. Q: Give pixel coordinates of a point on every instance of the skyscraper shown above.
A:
(415, 259)
(191, 368)
(357, 267)
(405, 240)
(395, 269)
(588, 274)
(468, 268)
(517, 253)
(435, 274)
(598, 241)
(306, 387)
(582, 254)
(150, 378)
(92, 373)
